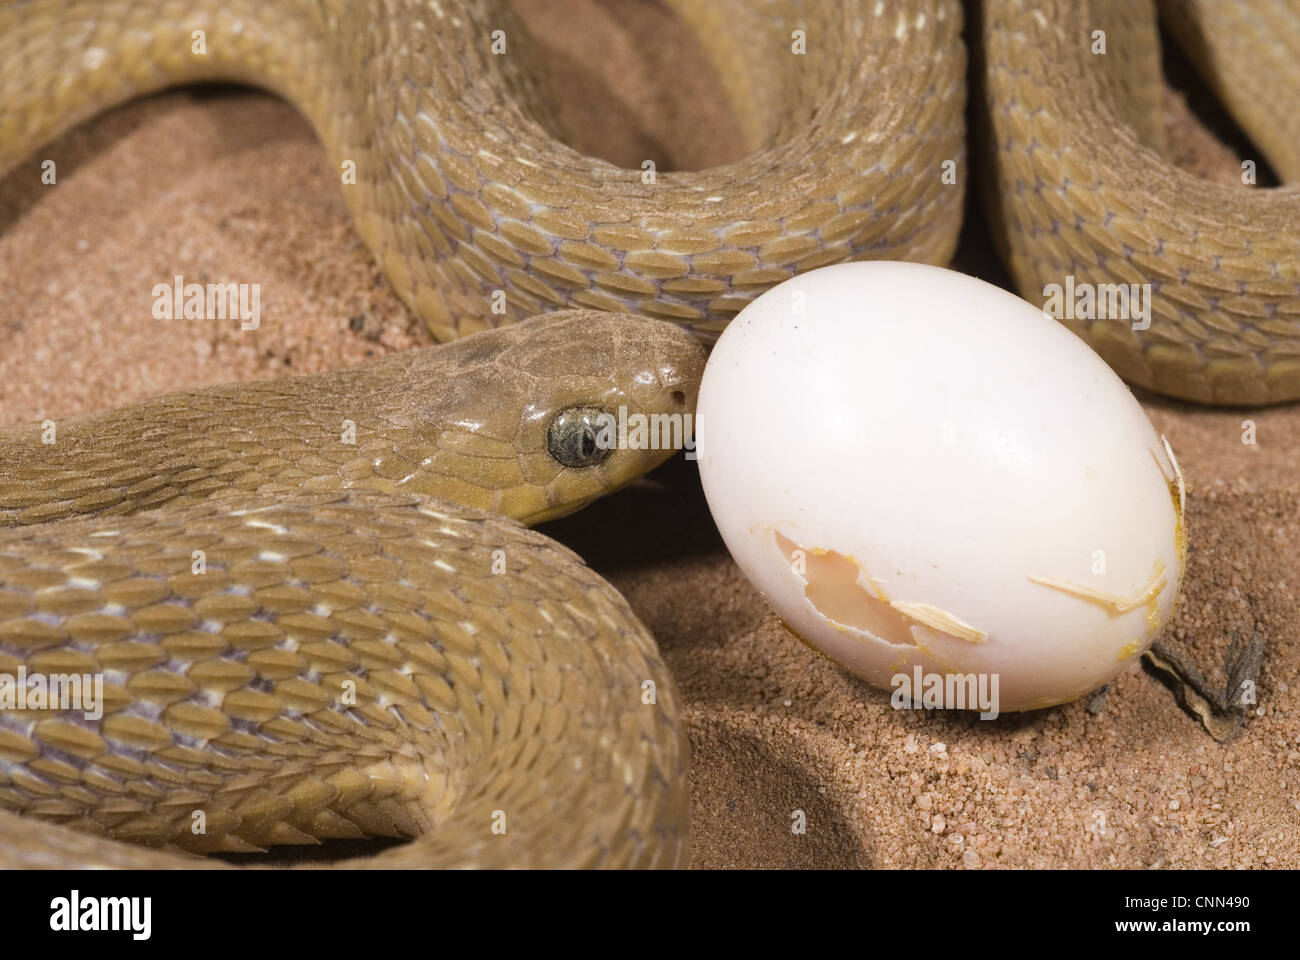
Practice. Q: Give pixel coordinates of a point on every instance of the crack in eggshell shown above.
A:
(1126, 651)
(1177, 478)
(1178, 493)
(1155, 585)
(1148, 596)
(940, 620)
(832, 586)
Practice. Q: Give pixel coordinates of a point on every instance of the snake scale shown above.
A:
(369, 647)
(374, 645)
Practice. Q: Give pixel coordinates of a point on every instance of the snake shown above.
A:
(371, 642)
(507, 707)
(1081, 185)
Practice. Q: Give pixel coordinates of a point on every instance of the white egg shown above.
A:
(918, 469)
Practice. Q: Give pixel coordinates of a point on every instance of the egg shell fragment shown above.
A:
(917, 468)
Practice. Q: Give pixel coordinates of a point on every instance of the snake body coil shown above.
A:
(462, 188)
(1081, 187)
(304, 633)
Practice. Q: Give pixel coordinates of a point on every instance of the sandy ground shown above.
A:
(227, 184)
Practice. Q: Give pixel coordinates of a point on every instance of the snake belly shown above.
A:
(303, 635)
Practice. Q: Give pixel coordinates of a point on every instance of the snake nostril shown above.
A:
(678, 397)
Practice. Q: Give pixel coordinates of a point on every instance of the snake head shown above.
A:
(538, 419)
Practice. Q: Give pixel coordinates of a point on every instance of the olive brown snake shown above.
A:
(463, 189)
(367, 645)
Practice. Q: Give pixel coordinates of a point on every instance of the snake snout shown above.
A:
(611, 396)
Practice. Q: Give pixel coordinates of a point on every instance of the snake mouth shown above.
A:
(564, 500)
(560, 512)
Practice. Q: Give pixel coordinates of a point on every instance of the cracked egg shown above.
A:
(918, 469)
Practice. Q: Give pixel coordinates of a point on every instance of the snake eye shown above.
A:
(574, 438)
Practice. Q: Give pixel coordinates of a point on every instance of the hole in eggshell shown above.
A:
(831, 586)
